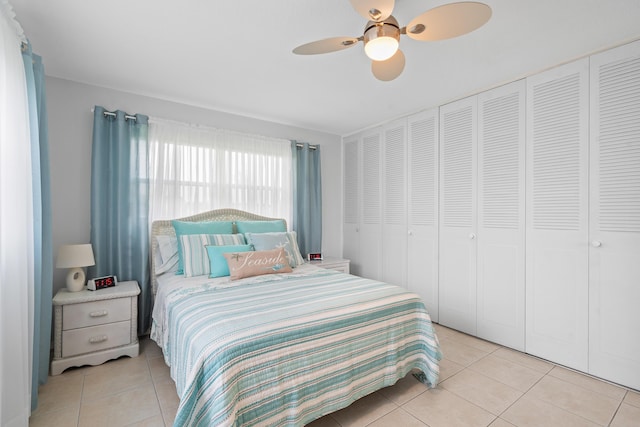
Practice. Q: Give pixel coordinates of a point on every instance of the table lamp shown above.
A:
(75, 258)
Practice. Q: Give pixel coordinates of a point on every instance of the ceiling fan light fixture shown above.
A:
(381, 39)
(381, 48)
(381, 36)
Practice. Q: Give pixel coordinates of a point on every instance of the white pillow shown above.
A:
(166, 257)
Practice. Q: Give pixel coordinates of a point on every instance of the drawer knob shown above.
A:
(98, 313)
(94, 340)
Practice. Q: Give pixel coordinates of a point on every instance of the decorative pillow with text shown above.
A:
(256, 263)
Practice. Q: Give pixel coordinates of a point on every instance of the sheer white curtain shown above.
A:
(194, 169)
(16, 229)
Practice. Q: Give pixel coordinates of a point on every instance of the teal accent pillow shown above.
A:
(218, 263)
(287, 240)
(205, 227)
(260, 226)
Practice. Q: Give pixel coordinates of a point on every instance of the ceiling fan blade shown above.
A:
(389, 69)
(325, 46)
(448, 21)
(373, 10)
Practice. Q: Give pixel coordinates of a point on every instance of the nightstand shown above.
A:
(337, 264)
(91, 327)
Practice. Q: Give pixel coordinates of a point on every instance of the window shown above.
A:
(194, 169)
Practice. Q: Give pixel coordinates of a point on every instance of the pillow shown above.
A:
(205, 227)
(166, 257)
(256, 263)
(218, 263)
(167, 246)
(260, 226)
(196, 260)
(287, 240)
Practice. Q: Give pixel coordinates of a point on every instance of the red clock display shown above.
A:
(102, 283)
(105, 282)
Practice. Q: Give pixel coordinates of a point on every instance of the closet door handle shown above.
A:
(472, 236)
(596, 243)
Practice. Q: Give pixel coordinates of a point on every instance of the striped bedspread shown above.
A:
(287, 349)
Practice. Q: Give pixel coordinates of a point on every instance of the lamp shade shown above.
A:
(75, 257)
(70, 256)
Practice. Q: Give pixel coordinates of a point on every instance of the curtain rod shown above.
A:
(113, 114)
(126, 116)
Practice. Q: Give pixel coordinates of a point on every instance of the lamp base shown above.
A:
(76, 279)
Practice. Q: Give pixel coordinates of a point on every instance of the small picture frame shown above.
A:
(314, 257)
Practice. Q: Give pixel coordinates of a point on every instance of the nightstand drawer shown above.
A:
(336, 264)
(339, 268)
(96, 313)
(86, 340)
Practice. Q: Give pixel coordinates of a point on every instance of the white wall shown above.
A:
(70, 129)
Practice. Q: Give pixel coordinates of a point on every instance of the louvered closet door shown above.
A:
(614, 267)
(351, 235)
(394, 208)
(556, 221)
(501, 255)
(371, 224)
(422, 256)
(458, 184)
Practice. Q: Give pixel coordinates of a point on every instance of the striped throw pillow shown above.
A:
(194, 252)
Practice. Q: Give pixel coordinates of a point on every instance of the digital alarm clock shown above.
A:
(102, 283)
(314, 256)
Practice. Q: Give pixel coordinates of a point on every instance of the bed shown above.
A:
(282, 348)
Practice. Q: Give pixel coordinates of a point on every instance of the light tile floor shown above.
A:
(481, 384)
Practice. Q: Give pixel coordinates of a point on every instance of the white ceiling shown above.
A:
(235, 55)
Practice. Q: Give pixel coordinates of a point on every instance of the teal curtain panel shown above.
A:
(120, 202)
(42, 232)
(307, 197)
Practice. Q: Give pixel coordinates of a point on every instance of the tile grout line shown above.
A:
(613, 417)
(84, 378)
(583, 374)
(155, 391)
(566, 410)
(466, 367)
(523, 395)
(507, 385)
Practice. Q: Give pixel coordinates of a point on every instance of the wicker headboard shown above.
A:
(165, 228)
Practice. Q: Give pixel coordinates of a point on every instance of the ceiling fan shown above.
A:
(382, 33)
